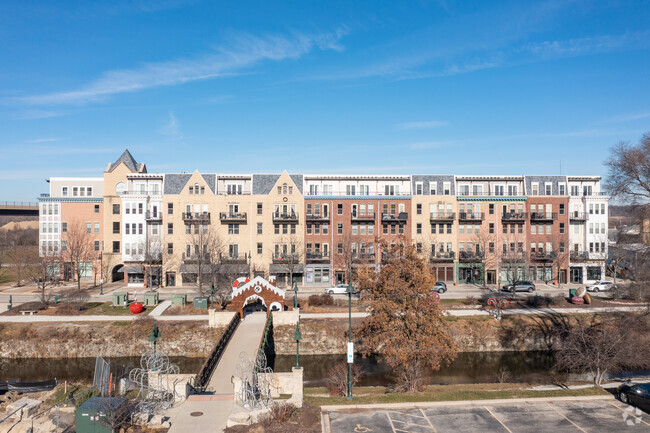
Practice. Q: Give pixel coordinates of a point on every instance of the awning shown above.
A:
(276, 268)
(132, 270)
(242, 269)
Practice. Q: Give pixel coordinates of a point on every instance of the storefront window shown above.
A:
(593, 273)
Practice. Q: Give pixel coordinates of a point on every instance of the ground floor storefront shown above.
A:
(586, 273)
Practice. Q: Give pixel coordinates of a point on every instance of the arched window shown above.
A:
(284, 188)
(120, 188)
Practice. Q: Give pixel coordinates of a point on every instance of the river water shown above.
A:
(468, 367)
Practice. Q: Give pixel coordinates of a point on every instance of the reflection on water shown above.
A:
(77, 369)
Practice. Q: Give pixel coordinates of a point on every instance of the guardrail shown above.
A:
(267, 338)
(203, 376)
(18, 204)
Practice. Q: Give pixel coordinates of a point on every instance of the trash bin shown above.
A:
(179, 300)
(119, 298)
(572, 293)
(150, 298)
(200, 303)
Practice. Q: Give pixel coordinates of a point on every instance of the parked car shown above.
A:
(601, 286)
(522, 286)
(635, 394)
(338, 289)
(440, 287)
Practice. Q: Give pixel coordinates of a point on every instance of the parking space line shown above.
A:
(494, 416)
(559, 413)
(405, 413)
(428, 420)
(629, 413)
(392, 426)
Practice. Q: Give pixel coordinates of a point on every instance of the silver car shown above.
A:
(338, 289)
(601, 286)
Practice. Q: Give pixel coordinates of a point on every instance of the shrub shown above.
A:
(74, 296)
(470, 300)
(317, 300)
(337, 379)
(539, 301)
(558, 300)
(314, 300)
(66, 310)
(281, 412)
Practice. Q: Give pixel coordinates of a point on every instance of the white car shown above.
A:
(338, 289)
(601, 286)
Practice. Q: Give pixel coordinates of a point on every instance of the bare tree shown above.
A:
(44, 271)
(79, 248)
(629, 171)
(514, 259)
(486, 243)
(17, 247)
(150, 261)
(207, 252)
(289, 255)
(558, 255)
(604, 344)
(345, 254)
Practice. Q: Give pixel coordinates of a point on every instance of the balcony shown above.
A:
(471, 256)
(193, 258)
(442, 256)
(369, 216)
(514, 216)
(442, 217)
(542, 256)
(363, 257)
(469, 217)
(232, 217)
(543, 216)
(153, 217)
(318, 256)
(196, 217)
(318, 217)
(582, 256)
(578, 216)
(514, 256)
(240, 259)
(285, 258)
(400, 217)
(285, 217)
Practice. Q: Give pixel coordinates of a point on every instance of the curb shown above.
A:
(429, 404)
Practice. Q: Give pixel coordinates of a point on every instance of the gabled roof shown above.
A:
(127, 159)
(175, 182)
(264, 183)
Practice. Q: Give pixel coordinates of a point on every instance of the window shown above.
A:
(64, 228)
(575, 190)
(188, 229)
(433, 188)
(96, 245)
(548, 228)
(355, 229)
(350, 190)
(520, 228)
(562, 228)
(491, 209)
(259, 248)
(96, 227)
(371, 228)
(491, 228)
(339, 208)
(309, 230)
(461, 229)
(505, 229)
(562, 189)
(116, 227)
(548, 189)
(418, 208)
(116, 209)
(96, 208)
(448, 229)
(170, 228)
(418, 188)
(170, 248)
(533, 229)
(433, 229)
(446, 188)
(491, 247)
(326, 228)
(116, 244)
(419, 228)
(64, 191)
(535, 188)
(233, 229)
(170, 208)
(561, 208)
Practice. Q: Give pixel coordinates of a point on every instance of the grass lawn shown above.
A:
(380, 394)
(106, 309)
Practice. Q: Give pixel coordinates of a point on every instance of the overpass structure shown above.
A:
(18, 208)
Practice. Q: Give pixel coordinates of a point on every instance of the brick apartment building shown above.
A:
(171, 228)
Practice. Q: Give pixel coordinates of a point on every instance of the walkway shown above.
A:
(216, 407)
(157, 312)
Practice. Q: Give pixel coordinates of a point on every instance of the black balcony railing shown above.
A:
(318, 217)
(442, 256)
(471, 216)
(318, 256)
(470, 256)
(543, 216)
(578, 216)
(442, 216)
(402, 217)
(367, 216)
(514, 216)
(280, 217)
(284, 258)
(541, 256)
(195, 257)
(232, 217)
(363, 257)
(197, 217)
(153, 216)
(233, 258)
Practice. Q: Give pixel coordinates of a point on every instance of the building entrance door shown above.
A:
(576, 275)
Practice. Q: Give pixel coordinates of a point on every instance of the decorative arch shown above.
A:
(271, 296)
(117, 273)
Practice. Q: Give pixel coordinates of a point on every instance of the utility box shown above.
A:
(179, 300)
(101, 415)
(200, 303)
(572, 293)
(119, 298)
(150, 298)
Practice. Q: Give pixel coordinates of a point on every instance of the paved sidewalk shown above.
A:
(160, 308)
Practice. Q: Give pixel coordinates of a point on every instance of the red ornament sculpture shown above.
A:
(136, 308)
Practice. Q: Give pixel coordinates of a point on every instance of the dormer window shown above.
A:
(191, 190)
(284, 188)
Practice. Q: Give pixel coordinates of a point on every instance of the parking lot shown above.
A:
(528, 417)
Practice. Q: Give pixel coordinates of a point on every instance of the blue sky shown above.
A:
(473, 87)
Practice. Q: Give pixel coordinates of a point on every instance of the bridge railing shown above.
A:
(18, 204)
(203, 377)
(266, 343)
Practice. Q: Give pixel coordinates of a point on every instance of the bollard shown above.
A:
(56, 299)
(10, 303)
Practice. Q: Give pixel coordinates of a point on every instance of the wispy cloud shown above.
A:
(172, 128)
(588, 45)
(423, 124)
(44, 140)
(628, 117)
(423, 145)
(239, 52)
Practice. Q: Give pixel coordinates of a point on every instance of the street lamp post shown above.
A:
(298, 337)
(295, 295)
(350, 291)
(101, 273)
(153, 338)
(212, 295)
